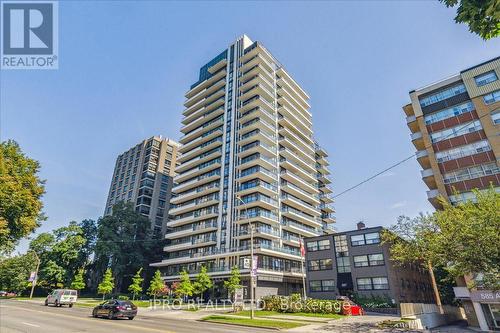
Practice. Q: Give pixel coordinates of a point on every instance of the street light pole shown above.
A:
(251, 259)
(33, 283)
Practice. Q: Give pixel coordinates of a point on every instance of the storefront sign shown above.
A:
(485, 296)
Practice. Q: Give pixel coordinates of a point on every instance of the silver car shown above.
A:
(61, 297)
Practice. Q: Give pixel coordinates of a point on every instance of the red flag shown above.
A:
(302, 250)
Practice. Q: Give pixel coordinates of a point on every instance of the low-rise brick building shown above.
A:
(357, 263)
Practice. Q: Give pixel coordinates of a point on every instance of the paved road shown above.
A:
(18, 316)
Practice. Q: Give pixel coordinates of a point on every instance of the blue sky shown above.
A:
(125, 66)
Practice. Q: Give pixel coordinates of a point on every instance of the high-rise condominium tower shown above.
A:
(455, 125)
(144, 175)
(248, 158)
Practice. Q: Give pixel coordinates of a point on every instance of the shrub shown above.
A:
(123, 297)
(294, 304)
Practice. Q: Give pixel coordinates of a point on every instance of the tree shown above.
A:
(469, 234)
(185, 287)
(107, 284)
(234, 281)
(78, 282)
(60, 255)
(89, 232)
(136, 285)
(482, 16)
(21, 191)
(15, 271)
(202, 283)
(156, 285)
(411, 240)
(123, 244)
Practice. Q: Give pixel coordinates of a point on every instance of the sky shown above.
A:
(124, 67)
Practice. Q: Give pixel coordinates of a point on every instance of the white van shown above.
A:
(60, 297)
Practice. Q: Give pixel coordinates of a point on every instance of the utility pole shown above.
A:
(33, 283)
(302, 259)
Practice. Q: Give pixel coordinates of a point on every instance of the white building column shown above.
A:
(483, 324)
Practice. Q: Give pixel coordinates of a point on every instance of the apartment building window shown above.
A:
(492, 97)
(364, 284)
(361, 261)
(453, 132)
(373, 283)
(365, 239)
(343, 265)
(319, 265)
(448, 113)
(485, 78)
(471, 172)
(463, 151)
(443, 94)
(322, 285)
(495, 117)
(318, 245)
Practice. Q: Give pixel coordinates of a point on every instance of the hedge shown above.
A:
(294, 303)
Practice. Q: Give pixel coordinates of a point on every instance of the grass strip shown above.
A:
(263, 313)
(262, 323)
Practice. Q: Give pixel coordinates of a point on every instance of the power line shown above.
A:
(395, 164)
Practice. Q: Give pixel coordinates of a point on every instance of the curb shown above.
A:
(241, 325)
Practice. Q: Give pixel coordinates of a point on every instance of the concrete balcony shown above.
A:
(187, 147)
(297, 97)
(291, 155)
(198, 171)
(411, 122)
(191, 230)
(299, 204)
(194, 193)
(199, 160)
(418, 140)
(203, 85)
(200, 180)
(289, 176)
(198, 150)
(203, 118)
(423, 158)
(261, 187)
(257, 113)
(432, 194)
(311, 198)
(204, 93)
(299, 216)
(427, 173)
(202, 130)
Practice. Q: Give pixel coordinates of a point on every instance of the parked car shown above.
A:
(61, 297)
(115, 309)
(353, 309)
(3, 293)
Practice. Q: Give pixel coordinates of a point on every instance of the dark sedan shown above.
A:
(115, 309)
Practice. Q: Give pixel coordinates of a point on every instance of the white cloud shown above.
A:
(398, 204)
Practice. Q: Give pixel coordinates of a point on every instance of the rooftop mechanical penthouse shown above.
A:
(248, 158)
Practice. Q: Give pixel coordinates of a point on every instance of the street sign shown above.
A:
(32, 277)
(253, 272)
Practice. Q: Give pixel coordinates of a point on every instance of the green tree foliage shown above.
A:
(234, 281)
(135, 287)
(15, 271)
(156, 285)
(107, 284)
(60, 255)
(469, 237)
(78, 282)
(462, 239)
(89, 232)
(482, 16)
(21, 191)
(185, 287)
(124, 243)
(202, 282)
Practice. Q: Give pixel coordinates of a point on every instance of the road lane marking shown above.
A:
(91, 319)
(29, 324)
